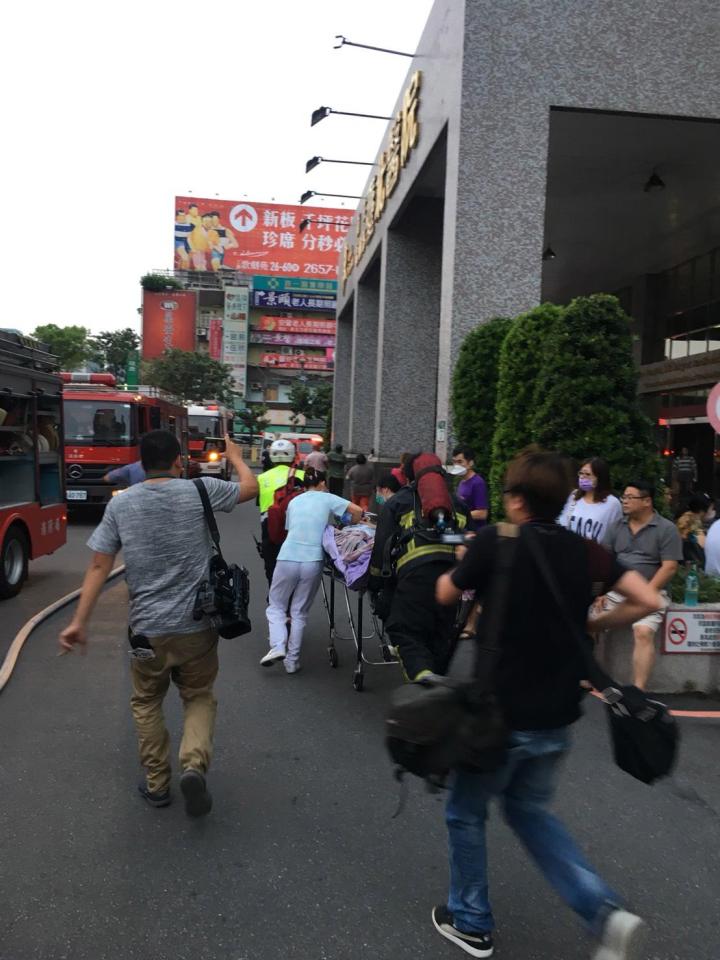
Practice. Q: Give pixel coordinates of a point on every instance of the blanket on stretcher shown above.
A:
(350, 549)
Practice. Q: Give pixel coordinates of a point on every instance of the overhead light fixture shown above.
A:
(366, 46)
(654, 182)
(549, 253)
(316, 161)
(322, 112)
(318, 193)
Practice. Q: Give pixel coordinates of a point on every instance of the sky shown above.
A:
(111, 110)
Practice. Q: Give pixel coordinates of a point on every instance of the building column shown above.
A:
(342, 411)
(364, 365)
(407, 354)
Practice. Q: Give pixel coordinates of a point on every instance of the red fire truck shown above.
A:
(103, 429)
(33, 516)
(207, 425)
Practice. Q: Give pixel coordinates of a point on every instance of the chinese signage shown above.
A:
(237, 304)
(297, 325)
(258, 237)
(290, 361)
(404, 134)
(692, 631)
(295, 285)
(293, 301)
(292, 339)
(168, 322)
(132, 369)
(215, 336)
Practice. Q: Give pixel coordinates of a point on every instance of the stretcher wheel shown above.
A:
(358, 680)
(332, 654)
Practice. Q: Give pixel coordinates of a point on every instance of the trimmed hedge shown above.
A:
(474, 389)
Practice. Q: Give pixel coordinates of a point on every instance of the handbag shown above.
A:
(225, 596)
(455, 721)
(644, 735)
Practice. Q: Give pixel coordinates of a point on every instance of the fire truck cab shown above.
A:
(207, 426)
(33, 516)
(103, 429)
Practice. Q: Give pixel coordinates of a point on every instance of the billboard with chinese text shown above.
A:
(292, 339)
(292, 301)
(297, 325)
(235, 327)
(258, 237)
(168, 321)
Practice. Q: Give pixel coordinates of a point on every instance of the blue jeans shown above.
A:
(524, 785)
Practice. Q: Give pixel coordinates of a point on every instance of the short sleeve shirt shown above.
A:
(473, 493)
(130, 474)
(306, 519)
(591, 520)
(160, 528)
(645, 550)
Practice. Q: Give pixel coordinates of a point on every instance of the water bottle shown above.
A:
(692, 587)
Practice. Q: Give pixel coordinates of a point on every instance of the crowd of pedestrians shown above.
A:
(611, 557)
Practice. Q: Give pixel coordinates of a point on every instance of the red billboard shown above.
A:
(168, 321)
(215, 338)
(261, 238)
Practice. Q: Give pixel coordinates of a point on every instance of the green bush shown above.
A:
(474, 389)
(709, 587)
(521, 358)
(585, 400)
(157, 282)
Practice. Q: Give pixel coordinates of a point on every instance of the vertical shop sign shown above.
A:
(235, 333)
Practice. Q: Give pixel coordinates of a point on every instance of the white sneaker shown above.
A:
(272, 656)
(623, 937)
(292, 667)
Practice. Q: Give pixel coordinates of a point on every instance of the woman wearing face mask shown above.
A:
(592, 509)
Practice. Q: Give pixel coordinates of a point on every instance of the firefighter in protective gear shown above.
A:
(408, 557)
(282, 455)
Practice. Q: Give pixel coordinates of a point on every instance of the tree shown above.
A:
(474, 389)
(111, 349)
(254, 418)
(158, 282)
(586, 391)
(192, 377)
(310, 402)
(69, 344)
(521, 357)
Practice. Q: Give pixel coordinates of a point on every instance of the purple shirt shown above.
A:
(473, 493)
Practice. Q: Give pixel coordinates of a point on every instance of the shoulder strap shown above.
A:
(209, 517)
(596, 675)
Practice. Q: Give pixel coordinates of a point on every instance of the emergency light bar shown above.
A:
(105, 379)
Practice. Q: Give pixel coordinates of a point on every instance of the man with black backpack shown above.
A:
(537, 681)
(161, 528)
(408, 556)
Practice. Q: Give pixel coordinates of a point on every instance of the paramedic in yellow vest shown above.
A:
(282, 455)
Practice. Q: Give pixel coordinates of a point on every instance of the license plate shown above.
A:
(77, 494)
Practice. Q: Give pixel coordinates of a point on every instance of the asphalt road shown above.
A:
(301, 857)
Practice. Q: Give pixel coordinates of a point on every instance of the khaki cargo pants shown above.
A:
(190, 660)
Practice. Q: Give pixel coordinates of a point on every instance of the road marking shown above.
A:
(6, 670)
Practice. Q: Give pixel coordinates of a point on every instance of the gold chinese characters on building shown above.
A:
(404, 134)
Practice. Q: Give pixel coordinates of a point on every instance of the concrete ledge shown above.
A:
(673, 672)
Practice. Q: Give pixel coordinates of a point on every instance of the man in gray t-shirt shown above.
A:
(160, 526)
(648, 543)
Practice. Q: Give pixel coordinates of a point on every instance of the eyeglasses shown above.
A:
(634, 496)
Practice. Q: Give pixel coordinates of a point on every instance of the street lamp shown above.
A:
(322, 112)
(366, 46)
(318, 193)
(315, 161)
(305, 223)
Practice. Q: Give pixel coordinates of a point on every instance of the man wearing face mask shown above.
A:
(472, 489)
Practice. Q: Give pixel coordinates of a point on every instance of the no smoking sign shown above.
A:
(677, 631)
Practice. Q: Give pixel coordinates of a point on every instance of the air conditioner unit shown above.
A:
(286, 350)
(256, 386)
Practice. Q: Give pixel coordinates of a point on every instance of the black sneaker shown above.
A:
(198, 800)
(154, 799)
(476, 944)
